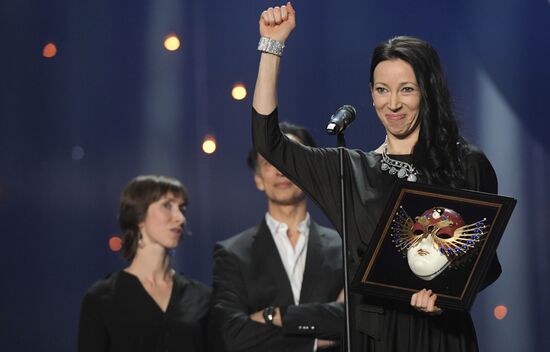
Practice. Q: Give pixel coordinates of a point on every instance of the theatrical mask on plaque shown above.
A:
(435, 240)
(433, 237)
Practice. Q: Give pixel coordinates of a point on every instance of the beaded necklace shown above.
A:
(401, 168)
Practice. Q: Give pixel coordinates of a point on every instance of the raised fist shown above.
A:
(278, 22)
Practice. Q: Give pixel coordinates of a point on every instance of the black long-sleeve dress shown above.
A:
(117, 314)
(375, 326)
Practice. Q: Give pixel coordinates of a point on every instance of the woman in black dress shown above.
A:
(412, 101)
(147, 306)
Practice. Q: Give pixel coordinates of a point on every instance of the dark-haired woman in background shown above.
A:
(147, 306)
(412, 101)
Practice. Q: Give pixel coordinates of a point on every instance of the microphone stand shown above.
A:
(341, 144)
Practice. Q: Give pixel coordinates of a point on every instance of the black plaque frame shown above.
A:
(384, 272)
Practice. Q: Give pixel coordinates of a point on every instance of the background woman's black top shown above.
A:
(377, 326)
(117, 314)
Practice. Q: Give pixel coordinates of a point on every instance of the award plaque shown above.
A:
(436, 238)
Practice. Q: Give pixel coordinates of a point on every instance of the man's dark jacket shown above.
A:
(249, 276)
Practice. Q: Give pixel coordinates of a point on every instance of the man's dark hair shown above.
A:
(287, 128)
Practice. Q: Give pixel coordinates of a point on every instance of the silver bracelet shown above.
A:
(271, 46)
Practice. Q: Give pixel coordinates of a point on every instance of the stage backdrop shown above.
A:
(90, 97)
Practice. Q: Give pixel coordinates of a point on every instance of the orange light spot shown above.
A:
(49, 50)
(209, 144)
(239, 91)
(115, 243)
(500, 312)
(172, 42)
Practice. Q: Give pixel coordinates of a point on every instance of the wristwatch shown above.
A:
(269, 314)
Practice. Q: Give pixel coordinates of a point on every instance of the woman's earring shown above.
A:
(140, 240)
(373, 103)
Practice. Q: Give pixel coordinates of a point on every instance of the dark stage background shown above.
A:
(113, 103)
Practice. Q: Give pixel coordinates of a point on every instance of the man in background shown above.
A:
(278, 285)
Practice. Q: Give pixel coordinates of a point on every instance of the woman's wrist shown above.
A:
(271, 46)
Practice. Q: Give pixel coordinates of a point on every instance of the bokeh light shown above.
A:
(77, 153)
(115, 243)
(49, 50)
(239, 91)
(500, 312)
(209, 144)
(172, 42)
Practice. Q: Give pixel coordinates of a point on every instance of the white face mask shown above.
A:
(434, 239)
(425, 260)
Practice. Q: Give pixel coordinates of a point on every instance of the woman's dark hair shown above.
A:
(134, 202)
(437, 153)
(287, 128)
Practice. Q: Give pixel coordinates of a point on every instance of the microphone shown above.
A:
(342, 118)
